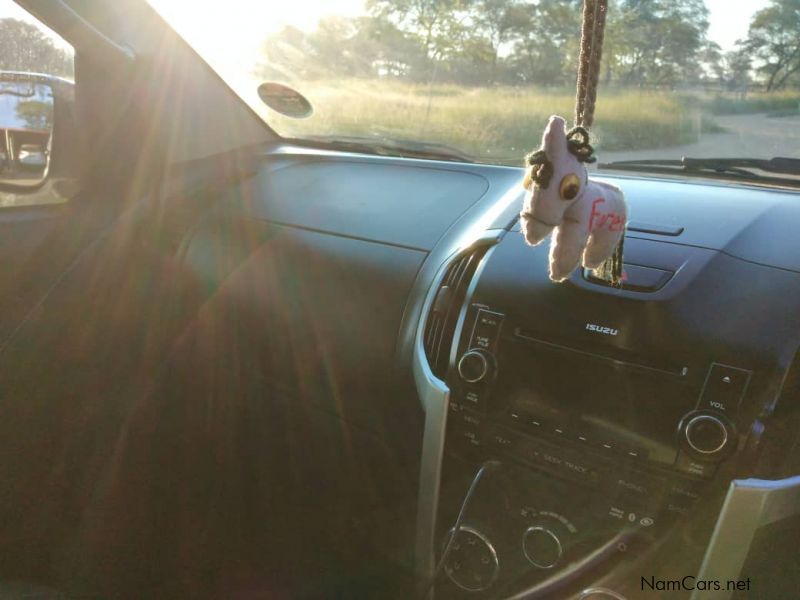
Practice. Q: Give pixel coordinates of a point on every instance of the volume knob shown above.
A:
(708, 435)
(474, 366)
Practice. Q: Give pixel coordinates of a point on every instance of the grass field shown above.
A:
(494, 124)
(779, 103)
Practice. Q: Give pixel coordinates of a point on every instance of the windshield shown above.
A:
(678, 78)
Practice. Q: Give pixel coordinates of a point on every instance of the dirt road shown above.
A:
(754, 135)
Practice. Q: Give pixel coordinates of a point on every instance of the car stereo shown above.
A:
(600, 404)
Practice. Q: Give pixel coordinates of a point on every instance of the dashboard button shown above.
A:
(686, 492)
(504, 441)
(639, 486)
(556, 459)
(487, 329)
(692, 466)
(724, 388)
(473, 399)
(677, 509)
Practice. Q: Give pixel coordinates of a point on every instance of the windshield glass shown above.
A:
(678, 78)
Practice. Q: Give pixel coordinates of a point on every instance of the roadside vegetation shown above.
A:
(484, 75)
(778, 103)
(495, 124)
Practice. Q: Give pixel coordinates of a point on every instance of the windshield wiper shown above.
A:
(383, 147)
(756, 169)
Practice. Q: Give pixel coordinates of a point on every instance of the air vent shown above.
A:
(442, 319)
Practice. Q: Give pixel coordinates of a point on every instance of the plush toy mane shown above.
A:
(540, 169)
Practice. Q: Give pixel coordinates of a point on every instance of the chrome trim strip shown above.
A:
(749, 505)
(600, 591)
(434, 395)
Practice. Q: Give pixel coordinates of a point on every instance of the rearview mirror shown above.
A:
(26, 129)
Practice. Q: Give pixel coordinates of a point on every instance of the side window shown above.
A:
(37, 79)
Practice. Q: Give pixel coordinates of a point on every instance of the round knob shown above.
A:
(474, 366)
(706, 434)
(472, 562)
(542, 547)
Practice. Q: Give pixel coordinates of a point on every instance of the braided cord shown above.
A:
(592, 33)
(591, 52)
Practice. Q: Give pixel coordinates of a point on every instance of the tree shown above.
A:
(495, 21)
(656, 42)
(392, 52)
(36, 114)
(713, 62)
(24, 47)
(546, 39)
(737, 64)
(438, 24)
(774, 39)
(361, 47)
(479, 42)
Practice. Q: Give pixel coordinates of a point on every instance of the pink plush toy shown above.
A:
(587, 218)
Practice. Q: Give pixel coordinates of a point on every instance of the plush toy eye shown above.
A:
(569, 187)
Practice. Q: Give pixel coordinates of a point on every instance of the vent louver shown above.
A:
(443, 316)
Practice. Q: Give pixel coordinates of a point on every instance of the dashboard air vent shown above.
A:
(441, 324)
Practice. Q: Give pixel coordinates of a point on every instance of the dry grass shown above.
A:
(735, 103)
(495, 124)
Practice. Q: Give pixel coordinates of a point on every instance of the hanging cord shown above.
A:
(592, 32)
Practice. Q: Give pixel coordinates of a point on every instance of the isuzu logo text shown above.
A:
(601, 329)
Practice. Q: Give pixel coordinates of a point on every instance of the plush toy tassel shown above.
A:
(611, 269)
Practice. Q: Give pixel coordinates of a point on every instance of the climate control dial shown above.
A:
(546, 540)
(542, 547)
(471, 561)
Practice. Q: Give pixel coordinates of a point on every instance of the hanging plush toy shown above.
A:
(586, 218)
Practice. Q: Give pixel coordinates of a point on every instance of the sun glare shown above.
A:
(231, 32)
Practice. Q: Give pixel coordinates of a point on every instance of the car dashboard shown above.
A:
(237, 365)
(626, 421)
(376, 330)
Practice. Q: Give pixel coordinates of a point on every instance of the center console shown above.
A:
(613, 412)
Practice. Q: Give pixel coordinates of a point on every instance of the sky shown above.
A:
(232, 29)
(729, 19)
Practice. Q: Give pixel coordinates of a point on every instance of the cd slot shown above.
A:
(618, 358)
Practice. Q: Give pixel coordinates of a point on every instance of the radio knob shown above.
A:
(708, 435)
(475, 366)
(542, 546)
